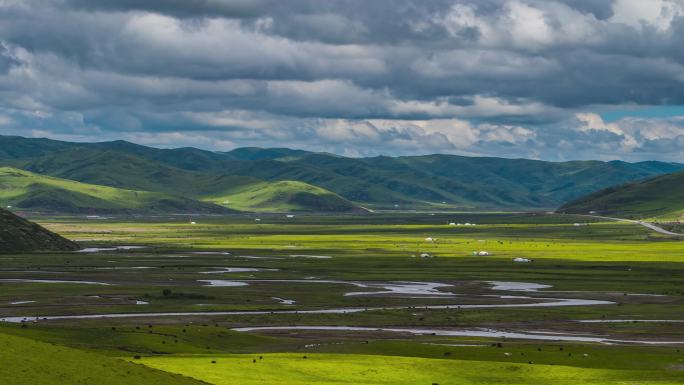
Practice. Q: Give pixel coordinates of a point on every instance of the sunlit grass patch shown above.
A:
(324, 369)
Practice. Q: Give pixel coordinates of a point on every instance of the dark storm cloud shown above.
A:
(181, 8)
(601, 9)
(7, 60)
(502, 77)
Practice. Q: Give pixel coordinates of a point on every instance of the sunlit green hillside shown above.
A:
(29, 191)
(283, 196)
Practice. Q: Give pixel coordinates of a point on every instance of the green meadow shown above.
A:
(536, 237)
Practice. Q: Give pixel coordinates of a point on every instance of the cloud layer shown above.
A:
(514, 78)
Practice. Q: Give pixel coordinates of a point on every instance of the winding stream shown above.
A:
(395, 288)
(113, 248)
(548, 302)
(20, 280)
(489, 333)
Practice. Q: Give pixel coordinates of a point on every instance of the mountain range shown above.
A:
(281, 179)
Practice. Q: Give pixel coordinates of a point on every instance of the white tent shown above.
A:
(521, 260)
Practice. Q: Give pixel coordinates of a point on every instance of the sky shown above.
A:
(552, 79)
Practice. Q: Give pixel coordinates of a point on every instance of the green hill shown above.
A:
(17, 235)
(29, 362)
(284, 196)
(122, 170)
(29, 191)
(17, 147)
(657, 197)
(430, 181)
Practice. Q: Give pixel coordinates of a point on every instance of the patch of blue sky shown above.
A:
(647, 112)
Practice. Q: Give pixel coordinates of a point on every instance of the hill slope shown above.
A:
(30, 191)
(123, 170)
(434, 181)
(17, 235)
(283, 196)
(660, 196)
(28, 362)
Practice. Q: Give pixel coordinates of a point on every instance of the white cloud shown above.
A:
(424, 136)
(226, 48)
(657, 14)
(592, 121)
(522, 24)
(633, 133)
(528, 25)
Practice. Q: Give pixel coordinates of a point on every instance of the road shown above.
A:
(642, 223)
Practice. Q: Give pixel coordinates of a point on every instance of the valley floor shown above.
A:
(369, 299)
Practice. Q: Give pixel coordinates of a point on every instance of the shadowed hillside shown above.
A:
(17, 235)
(660, 196)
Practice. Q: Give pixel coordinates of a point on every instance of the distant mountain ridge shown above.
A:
(430, 181)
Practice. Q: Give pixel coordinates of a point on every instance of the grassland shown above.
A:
(324, 369)
(29, 362)
(535, 237)
(317, 261)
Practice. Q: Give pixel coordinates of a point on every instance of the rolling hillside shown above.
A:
(658, 197)
(430, 181)
(29, 191)
(39, 363)
(111, 168)
(122, 170)
(283, 196)
(17, 235)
